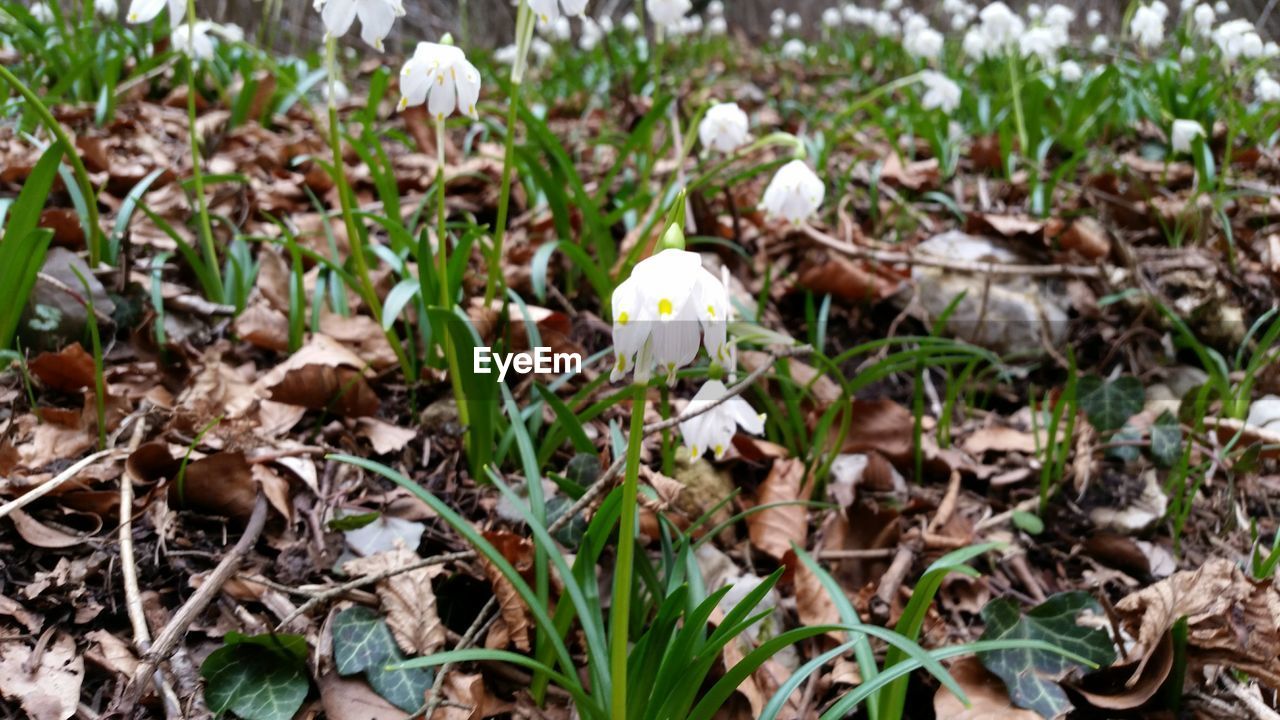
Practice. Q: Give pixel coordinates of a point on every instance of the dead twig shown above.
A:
(481, 622)
(58, 481)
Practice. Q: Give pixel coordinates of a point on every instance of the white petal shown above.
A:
(338, 16)
(144, 10)
(468, 88)
(376, 19)
(443, 98)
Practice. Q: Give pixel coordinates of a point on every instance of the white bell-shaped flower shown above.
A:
(1184, 132)
(661, 314)
(141, 11)
(1070, 71)
(548, 11)
(376, 18)
(940, 92)
(795, 193)
(42, 13)
(1147, 25)
(724, 127)
(440, 76)
(105, 8)
(667, 13)
(193, 40)
(714, 429)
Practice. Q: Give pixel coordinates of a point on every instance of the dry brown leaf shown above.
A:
(999, 438)
(772, 531)
(881, 425)
(407, 599)
(264, 326)
(1118, 688)
(41, 535)
(1232, 620)
(846, 279)
(468, 689)
(51, 689)
(519, 552)
(1007, 226)
(70, 369)
(813, 603)
(353, 699)
(916, 175)
(220, 484)
(1086, 236)
(988, 699)
(114, 652)
(385, 437)
(29, 620)
(323, 375)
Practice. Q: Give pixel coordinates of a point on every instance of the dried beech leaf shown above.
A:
(407, 599)
(774, 530)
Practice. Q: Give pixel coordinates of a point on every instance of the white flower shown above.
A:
(631, 22)
(1265, 88)
(667, 12)
(1271, 49)
(1203, 17)
(1187, 55)
(1238, 38)
(1147, 26)
(715, 8)
(778, 16)
(558, 28)
(1044, 42)
(42, 13)
(340, 92)
(506, 54)
(883, 24)
(141, 11)
(376, 18)
(1070, 71)
(724, 127)
(831, 17)
(661, 313)
(924, 43)
(1222, 7)
(1059, 16)
(795, 193)
(714, 429)
(440, 76)
(892, 5)
(793, 49)
(1034, 11)
(548, 11)
(1185, 5)
(1183, 133)
(940, 92)
(793, 21)
(591, 34)
(1100, 43)
(193, 40)
(717, 26)
(1093, 18)
(606, 24)
(540, 48)
(1000, 24)
(1159, 8)
(775, 31)
(105, 8)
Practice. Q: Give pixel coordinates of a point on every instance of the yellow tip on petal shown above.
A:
(693, 452)
(719, 451)
(664, 308)
(623, 318)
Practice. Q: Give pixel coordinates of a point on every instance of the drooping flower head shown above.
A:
(724, 127)
(1147, 25)
(795, 193)
(440, 76)
(714, 429)
(42, 12)
(940, 92)
(661, 314)
(141, 11)
(548, 11)
(667, 13)
(376, 18)
(105, 8)
(1183, 134)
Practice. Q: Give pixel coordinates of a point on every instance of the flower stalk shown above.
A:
(446, 301)
(624, 569)
(204, 226)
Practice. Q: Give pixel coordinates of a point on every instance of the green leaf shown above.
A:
(260, 677)
(1032, 676)
(353, 522)
(1029, 523)
(1109, 403)
(363, 643)
(1166, 439)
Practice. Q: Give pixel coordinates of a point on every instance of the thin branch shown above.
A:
(61, 479)
(437, 688)
(965, 266)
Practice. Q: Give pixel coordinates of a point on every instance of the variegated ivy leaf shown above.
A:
(362, 642)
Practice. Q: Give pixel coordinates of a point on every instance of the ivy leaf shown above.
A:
(260, 677)
(1166, 439)
(1032, 676)
(1125, 452)
(1109, 403)
(362, 642)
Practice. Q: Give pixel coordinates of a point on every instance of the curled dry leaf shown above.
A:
(323, 375)
(1232, 620)
(48, 686)
(988, 699)
(407, 598)
(69, 370)
(773, 530)
(1124, 687)
(849, 280)
(519, 552)
(915, 175)
(385, 437)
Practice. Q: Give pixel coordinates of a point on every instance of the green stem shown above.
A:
(73, 156)
(205, 228)
(524, 35)
(354, 240)
(446, 301)
(1016, 86)
(623, 571)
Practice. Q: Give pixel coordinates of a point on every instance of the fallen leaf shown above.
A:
(774, 530)
(1232, 620)
(1124, 687)
(519, 552)
(69, 370)
(323, 375)
(385, 437)
(915, 175)
(988, 699)
(407, 599)
(41, 535)
(117, 654)
(51, 689)
(999, 438)
(220, 484)
(353, 699)
(849, 280)
(1086, 236)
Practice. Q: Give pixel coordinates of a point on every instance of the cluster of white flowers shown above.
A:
(1147, 24)
(196, 40)
(1265, 88)
(881, 22)
(42, 13)
(780, 22)
(1238, 39)
(997, 30)
(961, 13)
